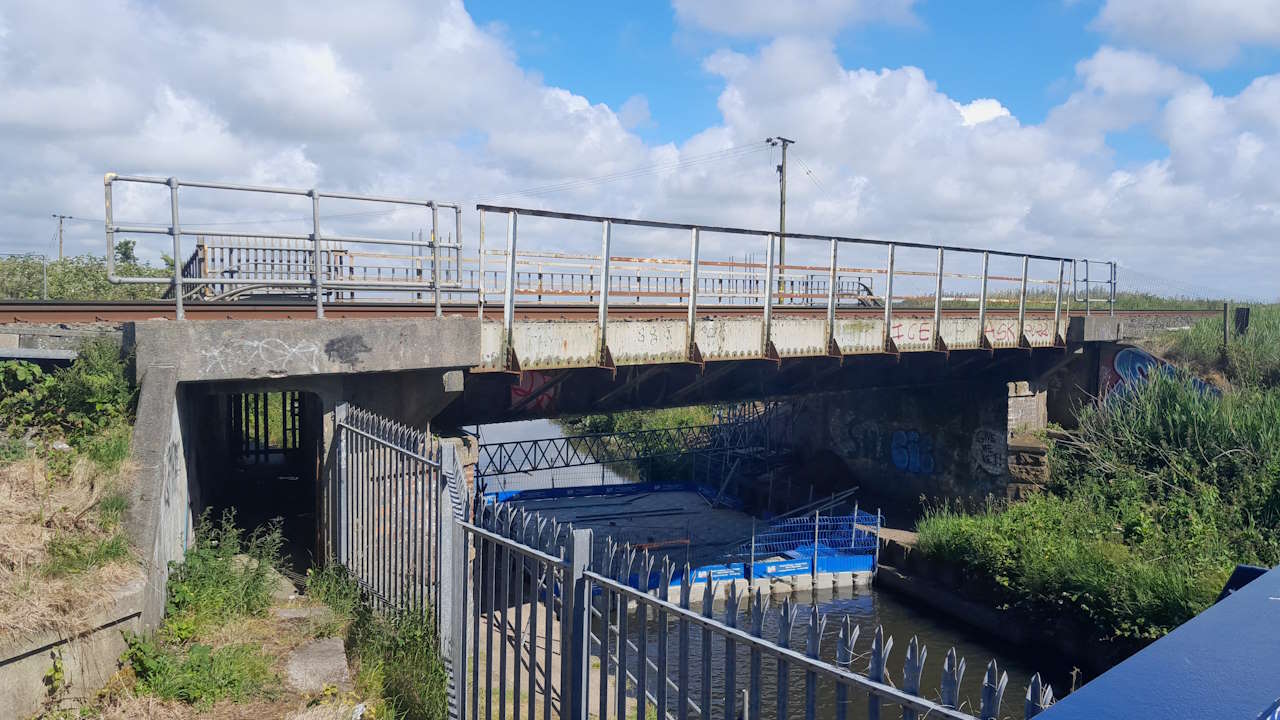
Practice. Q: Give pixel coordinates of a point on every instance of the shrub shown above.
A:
(1250, 359)
(90, 395)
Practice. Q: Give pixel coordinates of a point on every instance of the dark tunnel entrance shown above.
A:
(260, 454)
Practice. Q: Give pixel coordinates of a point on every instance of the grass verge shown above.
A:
(1156, 496)
(396, 656)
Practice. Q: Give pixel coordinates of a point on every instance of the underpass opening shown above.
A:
(260, 455)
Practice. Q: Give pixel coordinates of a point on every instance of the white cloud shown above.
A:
(419, 101)
(1209, 32)
(634, 113)
(768, 19)
(982, 110)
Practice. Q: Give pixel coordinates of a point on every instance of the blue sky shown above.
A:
(1021, 53)
(1141, 130)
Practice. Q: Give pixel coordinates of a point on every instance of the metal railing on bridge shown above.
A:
(533, 622)
(827, 272)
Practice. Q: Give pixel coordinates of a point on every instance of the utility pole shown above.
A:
(60, 219)
(782, 205)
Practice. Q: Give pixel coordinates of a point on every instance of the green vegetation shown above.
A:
(1161, 490)
(83, 277)
(198, 674)
(1250, 359)
(657, 468)
(396, 656)
(226, 575)
(64, 440)
(225, 578)
(85, 402)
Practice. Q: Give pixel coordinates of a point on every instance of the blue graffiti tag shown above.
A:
(912, 451)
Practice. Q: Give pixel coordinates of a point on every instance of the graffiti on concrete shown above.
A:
(989, 451)
(862, 441)
(533, 384)
(1128, 366)
(271, 356)
(346, 349)
(912, 451)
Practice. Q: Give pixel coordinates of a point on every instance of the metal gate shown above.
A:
(389, 509)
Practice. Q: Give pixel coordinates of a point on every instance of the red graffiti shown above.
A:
(914, 331)
(532, 383)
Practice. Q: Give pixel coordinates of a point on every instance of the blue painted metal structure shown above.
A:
(1223, 663)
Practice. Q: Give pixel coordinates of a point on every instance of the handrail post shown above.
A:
(480, 271)
(107, 182)
(1112, 302)
(602, 320)
(457, 250)
(886, 339)
(765, 334)
(316, 265)
(832, 296)
(509, 292)
(1088, 295)
(1057, 305)
(693, 292)
(176, 233)
(982, 299)
(1022, 303)
(576, 629)
(937, 306)
(435, 255)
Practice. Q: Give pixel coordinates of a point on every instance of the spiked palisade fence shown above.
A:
(537, 621)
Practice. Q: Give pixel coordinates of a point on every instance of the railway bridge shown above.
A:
(910, 361)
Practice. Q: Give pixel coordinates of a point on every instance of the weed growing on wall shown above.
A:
(226, 574)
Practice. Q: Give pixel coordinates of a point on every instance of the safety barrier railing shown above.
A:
(930, 283)
(824, 271)
(324, 278)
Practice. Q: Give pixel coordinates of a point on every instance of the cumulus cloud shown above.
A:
(419, 101)
(748, 18)
(1209, 32)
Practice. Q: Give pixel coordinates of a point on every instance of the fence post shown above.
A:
(887, 339)
(1022, 304)
(576, 628)
(693, 292)
(982, 300)
(937, 306)
(509, 293)
(768, 300)
(316, 265)
(435, 255)
(343, 512)
(833, 280)
(1057, 305)
(606, 239)
(1226, 339)
(176, 232)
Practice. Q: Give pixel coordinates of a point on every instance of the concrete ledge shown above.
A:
(88, 658)
(252, 349)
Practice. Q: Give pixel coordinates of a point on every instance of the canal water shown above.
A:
(868, 607)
